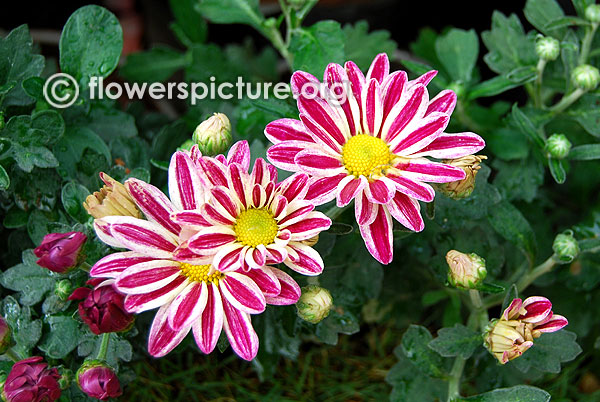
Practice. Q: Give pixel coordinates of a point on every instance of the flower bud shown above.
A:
(186, 146)
(558, 146)
(314, 304)
(585, 77)
(112, 199)
(102, 308)
(213, 135)
(66, 378)
(592, 13)
(462, 188)
(63, 289)
(547, 48)
(98, 380)
(466, 271)
(6, 339)
(31, 380)
(311, 242)
(565, 246)
(60, 252)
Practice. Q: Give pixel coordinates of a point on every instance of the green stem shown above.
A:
(586, 44)
(537, 99)
(103, 347)
(12, 355)
(274, 36)
(455, 375)
(478, 309)
(567, 101)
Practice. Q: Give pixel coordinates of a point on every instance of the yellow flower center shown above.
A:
(200, 273)
(366, 155)
(256, 226)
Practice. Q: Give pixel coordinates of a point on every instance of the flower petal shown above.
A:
(424, 79)
(406, 210)
(294, 187)
(512, 311)
(228, 257)
(185, 185)
(378, 236)
(537, 307)
(424, 134)
(405, 113)
(379, 69)
(238, 180)
(313, 224)
(552, 323)
(242, 293)
(425, 170)
(194, 217)
(241, 335)
(187, 306)
(213, 171)
(444, 102)
(162, 338)
(143, 236)
(208, 328)
(322, 190)
(147, 301)
(153, 203)
(147, 276)
(349, 188)
(324, 116)
(290, 291)
(287, 130)
(372, 108)
(392, 90)
(266, 280)
(308, 260)
(239, 153)
(450, 146)
(211, 238)
(224, 201)
(113, 264)
(337, 80)
(283, 154)
(357, 82)
(380, 191)
(364, 210)
(413, 188)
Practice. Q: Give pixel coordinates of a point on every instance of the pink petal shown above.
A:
(224, 201)
(413, 189)
(392, 90)
(139, 235)
(276, 254)
(552, 323)
(279, 206)
(444, 102)
(266, 280)
(378, 236)
(372, 108)
(260, 174)
(450, 146)
(187, 307)
(313, 224)
(364, 210)
(424, 79)
(357, 82)
(380, 191)
(213, 171)
(320, 135)
(308, 262)
(242, 293)
(103, 233)
(337, 80)
(147, 276)
(185, 186)
(410, 108)
(238, 181)
(380, 68)
(240, 153)
(196, 217)
(113, 264)
(210, 239)
(406, 210)
(256, 258)
(300, 79)
(183, 253)
(325, 116)
(208, 328)
(425, 170)
(294, 187)
(228, 257)
(287, 130)
(162, 338)
(153, 203)
(290, 291)
(512, 311)
(322, 190)
(259, 196)
(241, 335)
(297, 210)
(537, 307)
(318, 163)
(283, 154)
(424, 134)
(348, 189)
(147, 301)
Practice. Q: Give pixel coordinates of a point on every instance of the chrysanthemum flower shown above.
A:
(189, 292)
(251, 220)
(372, 146)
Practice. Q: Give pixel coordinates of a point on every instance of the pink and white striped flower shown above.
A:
(189, 292)
(251, 220)
(370, 144)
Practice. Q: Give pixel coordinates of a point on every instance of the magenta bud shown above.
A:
(31, 380)
(60, 252)
(98, 381)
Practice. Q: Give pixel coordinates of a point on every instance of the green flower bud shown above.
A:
(592, 13)
(457, 88)
(213, 135)
(547, 48)
(314, 304)
(565, 246)
(466, 271)
(66, 378)
(586, 77)
(558, 146)
(63, 289)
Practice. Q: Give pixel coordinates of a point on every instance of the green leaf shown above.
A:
(338, 228)
(519, 180)
(526, 126)
(189, 24)
(457, 51)
(542, 12)
(73, 196)
(337, 323)
(587, 113)
(514, 394)
(509, 47)
(109, 122)
(415, 347)
(90, 43)
(154, 65)
(232, 12)
(69, 150)
(29, 157)
(508, 144)
(4, 179)
(316, 46)
(15, 218)
(409, 384)
(361, 46)
(32, 281)
(548, 352)
(557, 169)
(18, 63)
(119, 349)
(491, 288)
(62, 338)
(502, 83)
(569, 54)
(586, 152)
(456, 341)
(26, 332)
(564, 22)
(509, 223)
(511, 294)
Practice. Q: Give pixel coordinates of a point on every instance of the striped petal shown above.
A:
(313, 224)
(552, 323)
(380, 191)
(228, 257)
(372, 108)
(208, 328)
(224, 201)
(113, 264)
(318, 163)
(337, 80)
(238, 180)
(143, 236)
(412, 188)
(287, 130)
(242, 293)
(424, 79)
(300, 80)
(211, 238)
(239, 153)
(103, 233)
(162, 338)
(324, 116)
(266, 280)
(294, 187)
(411, 108)
(378, 236)
(537, 307)
(147, 276)
(197, 218)
(256, 257)
(185, 185)
(349, 188)
(241, 335)
(450, 146)
(322, 190)
(283, 154)
(213, 171)
(306, 261)
(147, 301)
(392, 90)
(187, 307)
(407, 211)
(290, 291)
(424, 134)
(357, 82)
(364, 210)
(425, 170)
(513, 310)
(379, 69)
(153, 203)
(444, 102)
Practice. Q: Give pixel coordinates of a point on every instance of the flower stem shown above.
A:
(103, 347)
(478, 309)
(586, 44)
(12, 355)
(537, 99)
(455, 375)
(567, 101)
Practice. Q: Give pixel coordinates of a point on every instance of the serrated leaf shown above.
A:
(548, 352)
(516, 393)
(456, 341)
(32, 281)
(415, 347)
(502, 83)
(409, 384)
(510, 223)
(361, 46)
(119, 349)
(26, 332)
(316, 46)
(457, 50)
(90, 43)
(564, 22)
(69, 150)
(337, 323)
(62, 338)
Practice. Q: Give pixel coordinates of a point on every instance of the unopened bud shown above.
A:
(592, 13)
(63, 289)
(565, 246)
(112, 199)
(6, 338)
(186, 146)
(213, 135)
(547, 48)
(98, 380)
(558, 146)
(586, 77)
(466, 271)
(314, 304)
(463, 188)
(66, 378)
